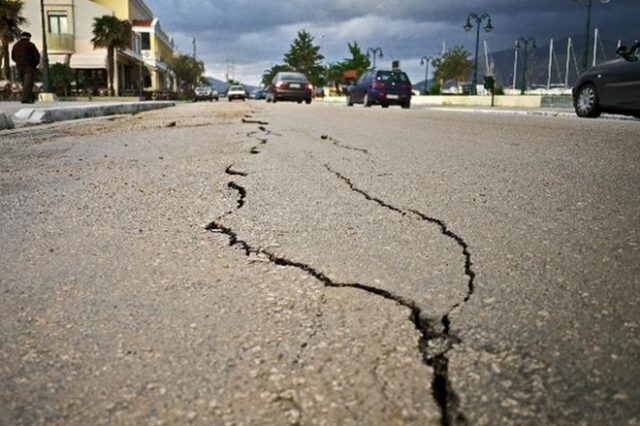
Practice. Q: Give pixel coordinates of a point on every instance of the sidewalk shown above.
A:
(15, 114)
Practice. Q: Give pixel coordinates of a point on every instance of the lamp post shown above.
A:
(373, 51)
(486, 18)
(45, 55)
(587, 31)
(526, 41)
(425, 60)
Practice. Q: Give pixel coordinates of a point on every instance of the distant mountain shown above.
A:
(221, 86)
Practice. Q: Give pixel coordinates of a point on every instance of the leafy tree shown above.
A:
(10, 22)
(453, 65)
(304, 57)
(268, 75)
(359, 61)
(61, 77)
(188, 70)
(111, 33)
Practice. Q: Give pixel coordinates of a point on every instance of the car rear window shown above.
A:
(236, 88)
(292, 76)
(392, 76)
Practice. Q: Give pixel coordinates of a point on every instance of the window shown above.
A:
(57, 22)
(146, 41)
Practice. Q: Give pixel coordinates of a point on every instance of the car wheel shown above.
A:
(406, 105)
(586, 102)
(308, 101)
(300, 101)
(349, 101)
(366, 101)
(385, 106)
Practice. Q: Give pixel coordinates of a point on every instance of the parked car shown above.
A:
(258, 94)
(205, 93)
(612, 86)
(381, 87)
(290, 86)
(236, 92)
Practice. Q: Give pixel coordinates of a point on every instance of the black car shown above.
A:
(381, 87)
(289, 86)
(612, 86)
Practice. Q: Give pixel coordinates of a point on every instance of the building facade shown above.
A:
(68, 35)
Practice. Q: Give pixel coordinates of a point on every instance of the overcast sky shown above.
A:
(254, 34)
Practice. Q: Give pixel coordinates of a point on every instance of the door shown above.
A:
(621, 83)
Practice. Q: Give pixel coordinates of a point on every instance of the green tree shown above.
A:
(453, 65)
(268, 75)
(10, 22)
(111, 33)
(188, 70)
(61, 77)
(358, 61)
(303, 56)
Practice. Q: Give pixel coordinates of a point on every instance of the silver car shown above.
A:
(205, 93)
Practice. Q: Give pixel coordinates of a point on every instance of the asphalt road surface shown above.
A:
(260, 264)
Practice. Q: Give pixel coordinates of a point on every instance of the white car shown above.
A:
(205, 92)
(236, 92)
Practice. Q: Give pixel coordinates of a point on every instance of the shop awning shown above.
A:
(93, 60)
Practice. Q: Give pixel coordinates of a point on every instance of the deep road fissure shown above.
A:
(436, 337)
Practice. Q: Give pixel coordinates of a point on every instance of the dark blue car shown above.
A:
(612, 86)
(381, 87)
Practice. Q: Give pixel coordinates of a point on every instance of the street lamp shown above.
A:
(468, 27)
(425, 60)
(372, 51)
(45, 55)
(587, 31)
(526, 41)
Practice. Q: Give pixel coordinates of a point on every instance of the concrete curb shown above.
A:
(6, 122)
(48, 115)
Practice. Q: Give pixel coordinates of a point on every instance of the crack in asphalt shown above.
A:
(341, 145)
(241, 191)
(436, 338)
(232, 172)
(442, 390)
(245, 120)
(444, 230)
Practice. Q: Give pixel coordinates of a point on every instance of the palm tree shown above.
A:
(111, 33)
(10, 22)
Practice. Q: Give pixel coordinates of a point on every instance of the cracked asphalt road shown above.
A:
(293, 264)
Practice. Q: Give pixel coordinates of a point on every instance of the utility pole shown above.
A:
(45, 55)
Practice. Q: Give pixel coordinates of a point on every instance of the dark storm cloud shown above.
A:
(255, 33)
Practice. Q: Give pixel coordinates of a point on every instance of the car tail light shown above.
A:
(377, 84)
(309, 86)
(406, 86)
(279, 85)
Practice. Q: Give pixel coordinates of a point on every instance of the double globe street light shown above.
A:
(529, 41)
(373, 51)
(587, 35)
(486, 18)
(425, 60)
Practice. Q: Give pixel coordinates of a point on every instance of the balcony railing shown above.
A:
(60, 43)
